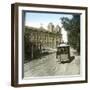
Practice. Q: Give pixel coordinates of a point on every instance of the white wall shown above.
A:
(5, 45)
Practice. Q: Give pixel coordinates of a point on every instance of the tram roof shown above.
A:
(63, 45)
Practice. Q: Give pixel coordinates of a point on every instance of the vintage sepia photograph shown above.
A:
(51, 44)
(48, 44)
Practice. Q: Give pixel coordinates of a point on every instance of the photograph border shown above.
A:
(14, 43)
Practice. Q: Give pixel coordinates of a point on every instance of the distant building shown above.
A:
(58, 29)
(50, 27)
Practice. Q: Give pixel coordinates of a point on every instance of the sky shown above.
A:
(35, 19)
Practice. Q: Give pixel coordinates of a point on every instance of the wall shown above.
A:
(5, 45)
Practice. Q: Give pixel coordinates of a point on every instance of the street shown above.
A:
(49, 66)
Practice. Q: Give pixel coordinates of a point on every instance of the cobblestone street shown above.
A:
(49, 66)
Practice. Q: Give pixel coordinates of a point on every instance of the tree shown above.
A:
(72, 26)
(26, 44)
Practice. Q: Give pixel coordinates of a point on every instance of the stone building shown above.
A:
(41, 38)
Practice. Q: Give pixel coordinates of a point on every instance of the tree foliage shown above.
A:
(27, 44)
(72, 26)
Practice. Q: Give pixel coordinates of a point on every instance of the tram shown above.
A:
(63, 53)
